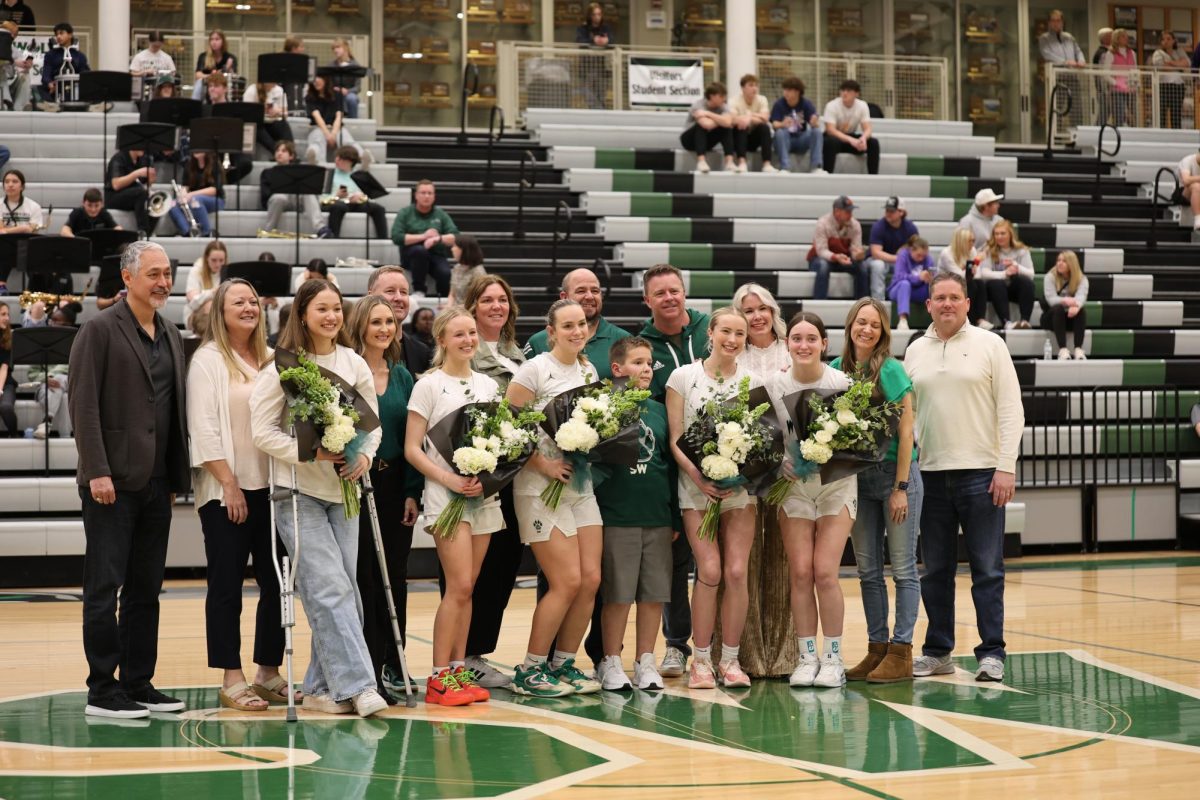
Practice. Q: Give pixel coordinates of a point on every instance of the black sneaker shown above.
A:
(117, 706)
(152, 699)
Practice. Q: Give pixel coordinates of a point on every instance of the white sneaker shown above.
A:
(702, 165)
(739, 168)
(1080, 355)
(1010, 325)
(327, 705)
(645, 674)
(368, 158)
(806, 672)
(924, 666)
(40, 431)
(312, 155)
(832, 673)
(488, 676)
(1064, 354)
(817, 171)
(368, 703)
(990, 669)
(768, 167)
(902, 325)
(611, 675)
(984, 324)
(674, 663)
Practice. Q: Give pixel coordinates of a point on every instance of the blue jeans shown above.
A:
(878, 270)
(340, 665)
(874, 490)
(822, 267)
(350, 105)
(204, 205)
(805, 141)
(954, 498)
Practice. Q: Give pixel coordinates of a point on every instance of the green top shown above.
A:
(644, 495)
(409, 220)
(596, 350)
(894, 383)
(672, 352)
(393, 416)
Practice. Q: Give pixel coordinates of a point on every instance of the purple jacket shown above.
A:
(908, 272)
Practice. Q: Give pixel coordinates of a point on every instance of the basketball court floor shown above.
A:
(1101, 699)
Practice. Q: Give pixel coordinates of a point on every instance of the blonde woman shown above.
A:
(230, 479)
(1064, 292)
(766, 351)
(1007, 274)
(203, 279)
(215, 58)
(342, 57)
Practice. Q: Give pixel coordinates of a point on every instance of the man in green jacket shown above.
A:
(583, 287)
(425, 233)
(677, 334)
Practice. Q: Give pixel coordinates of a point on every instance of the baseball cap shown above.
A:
(844, 203)
(985, 196)
(894, 203)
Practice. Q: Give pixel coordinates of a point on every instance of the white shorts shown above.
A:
(535, 520)
(811, 499)
(483, 517)
(691, 498)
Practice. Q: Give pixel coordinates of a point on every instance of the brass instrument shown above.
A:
(45, 224)
(278, 234)
(27, 299)
(160, 203)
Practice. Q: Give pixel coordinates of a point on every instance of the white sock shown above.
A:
(560, 658)
(454, 665)
(808, 646)
(833, 646)
(439, 670)
(702, 654)
(729, 652)
(532, 660)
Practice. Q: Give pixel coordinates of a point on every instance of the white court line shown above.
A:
(289, 758)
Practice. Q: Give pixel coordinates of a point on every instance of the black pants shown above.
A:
(397, 543)
(1170, 103)
(131, 198)
(977, 295)
(1054, 318)
(8, 408)
(240, 165)
(339, 210)
(835, 146)
(593, 643)
(699, 141)
(126, 551)
(271, 134)
(421, 262)
(226, 549)
(677, 614)
(1017, 288)
(753, 138)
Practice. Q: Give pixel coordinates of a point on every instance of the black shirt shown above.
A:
(79, 221)
(226, 64)
(6, 358)
(19, 13)
(119, 166)
(328, 109)
(162, 376)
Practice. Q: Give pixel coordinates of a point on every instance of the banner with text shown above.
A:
(665, 82)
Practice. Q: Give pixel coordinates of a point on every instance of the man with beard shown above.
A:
(127, 405)
(583, 287)
(392, 283)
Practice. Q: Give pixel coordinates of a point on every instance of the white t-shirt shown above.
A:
(27, 212)
(147, 60)
(692, 383)
(741, 107)
(846, 120)
(1189, 166)
(785, 384)
(437, 395)
(275, 97)
(547, 377)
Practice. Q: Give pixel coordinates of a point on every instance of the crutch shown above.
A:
(410, 699)
(285, 571)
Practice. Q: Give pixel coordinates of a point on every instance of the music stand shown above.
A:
(152, 138)
(342, 78)
(289, 70)
(43, 346)
(374, 190)
(217, 135)
(53, 256)
(104, 86)
(8, 251)
(107, 242)
(176, 111)
(249, 114)
(269, 278)
(110, 283)
(297, 180)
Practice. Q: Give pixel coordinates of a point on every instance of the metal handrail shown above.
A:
(1054, 112)
(522, 184)
(1101, 153)
(470, 72)
(488, 183)
(1152, 242)
(562, 206)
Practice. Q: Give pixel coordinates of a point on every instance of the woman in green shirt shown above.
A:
(889, 499)
(372, 332)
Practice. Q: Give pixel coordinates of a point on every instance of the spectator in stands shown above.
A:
(216, 88)
(126, 188)
(1104, 35)
(1058, 47)
(51, 392)
(1064, 292)
(215, 58)
(983, 216)
(52, 62)
(5, 155)
(594, 31)
(797, 128)
(8, 384)
(276, 203)
(848, 127)
(969, 472)
(392, 283)
(837, 247)
(200, 192)
(1173, 62)
(275, 127)
(342, 57)
(914, 272)
(164, 87)
(316, 268)
(203, 279)
(127, 404)
(349, 197)
(888, 234)
(961, 258)
(424, 234)
(19, 13)
(293, 44)
(20, 214)
(1119, 59)
(327, 131)
(468, 265)
(582, 286)
(153, 60)
(709, 123)
(421, 326)
(751, 124)
(595, 72)
(1007, 274)
(90, 216)
(1189, 186)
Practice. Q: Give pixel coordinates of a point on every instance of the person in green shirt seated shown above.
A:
(583, 287)
(348, 197)
(424, 234)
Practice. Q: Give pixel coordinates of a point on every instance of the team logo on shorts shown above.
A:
(537, 526)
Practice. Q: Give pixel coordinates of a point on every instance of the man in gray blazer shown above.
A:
(127, 406)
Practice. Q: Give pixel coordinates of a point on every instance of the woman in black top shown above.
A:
(216, 58)
(594, 32)
(8, 399)
(201, 192)
(326, 132)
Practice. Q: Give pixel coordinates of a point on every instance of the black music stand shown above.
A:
(297, 180)
(105, 86)
(289, 70)
(107, 242)
(217, 135)
(152, 138)
(373, 189)
(110, 283)
(43, 346)
(52, 257)
(177, 111)
(342, 78)
(269, 278)
(249, 114)
(8, 251)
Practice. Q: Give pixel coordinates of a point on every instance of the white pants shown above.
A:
(317, 144)
(57, 403)
(279, 203)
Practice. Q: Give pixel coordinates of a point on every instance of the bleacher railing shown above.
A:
(905, 87)
(537, 75)
(1127, 98)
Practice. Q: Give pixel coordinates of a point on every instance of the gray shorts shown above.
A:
(636, 565)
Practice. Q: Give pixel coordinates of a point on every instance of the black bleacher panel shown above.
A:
(964, 167)
(1123, 315)
(732, 256)
(692, 205)
(654, 159)
(1026, 372)
(995, 184)
(674, 182)
(1038, 234)
(716, 231)
(1153, 344)
(1182, 373)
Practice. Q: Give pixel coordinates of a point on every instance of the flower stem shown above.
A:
(552, 494)
(447, 522)
(710, 522)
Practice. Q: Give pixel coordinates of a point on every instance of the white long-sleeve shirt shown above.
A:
(968, 400)
(317, 479)
(1054, 296)
(1060, 48)
(990, 271)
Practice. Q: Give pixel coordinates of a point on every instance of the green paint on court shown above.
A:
(947, 186)
(632, 180)
(675, 229)
(1108, 563)
(1106, 344)
(691, 256)
(649, 204)
(926, 165)
(614, 158)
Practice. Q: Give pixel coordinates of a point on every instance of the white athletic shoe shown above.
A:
(902, 325)
(818, 171)
(990, 669)
(769, 167)
(1080, 355)
(985, 324)
(1064, 354)
(488, 676)
(368, 703)
(611, 675)
(702, 165)
(645, 674)
(327, 705)
(924, 666)
(674, 663)
(805, 672)
(832, 673)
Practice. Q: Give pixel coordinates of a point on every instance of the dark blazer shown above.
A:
(417, 356)
(112, 400)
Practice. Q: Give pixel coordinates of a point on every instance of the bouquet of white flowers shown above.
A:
(734, 443)
(594, 423)
(493, 443)
(325, 411)
(839, 434)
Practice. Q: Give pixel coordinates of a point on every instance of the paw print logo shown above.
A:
(537, 526)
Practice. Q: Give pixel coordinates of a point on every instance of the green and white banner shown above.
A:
(664, 82)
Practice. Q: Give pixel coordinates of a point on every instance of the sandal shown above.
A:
(272, 691)
(241, 697)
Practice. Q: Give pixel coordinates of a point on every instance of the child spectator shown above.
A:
(90, 216)
(914, 271)
(1007, 274)
(317, 268)
(468, 257)
(751, 124)
(798, 128)
(1065, 291)
(201, 193)
(709, 123)
(349, 196)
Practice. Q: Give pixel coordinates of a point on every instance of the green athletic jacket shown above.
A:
(692, 346)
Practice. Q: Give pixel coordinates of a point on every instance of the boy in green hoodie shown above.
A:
(641, 514)
(678, 335)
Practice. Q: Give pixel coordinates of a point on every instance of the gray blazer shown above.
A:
(112, 399)
(485, 361)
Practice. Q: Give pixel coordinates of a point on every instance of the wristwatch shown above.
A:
(901, 486)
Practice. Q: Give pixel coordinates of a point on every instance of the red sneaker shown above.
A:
(443, 690)
(470, 684)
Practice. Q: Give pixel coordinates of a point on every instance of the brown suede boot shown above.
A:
(875, 654)
(895, 667)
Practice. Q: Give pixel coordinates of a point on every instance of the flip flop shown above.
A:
(272, 691)
(235, 696)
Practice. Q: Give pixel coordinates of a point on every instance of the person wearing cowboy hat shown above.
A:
(983, 216)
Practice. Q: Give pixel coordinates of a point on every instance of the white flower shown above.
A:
(863, 425)
(479, 443)
(576, 436)
(338, 433)
(823, 437)
(592, 404)
(816, 452)
(718, 467)
(508, 431)
(846, 417)
(473, 460)
(831, 427)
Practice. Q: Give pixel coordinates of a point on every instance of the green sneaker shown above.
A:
(539, 681)
(571, 675)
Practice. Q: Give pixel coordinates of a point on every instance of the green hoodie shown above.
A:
(644, 495)
(596, 349)
(692, 346)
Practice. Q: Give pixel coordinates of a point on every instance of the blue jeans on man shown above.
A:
(808, 140)
(822, 267)
(955, 498)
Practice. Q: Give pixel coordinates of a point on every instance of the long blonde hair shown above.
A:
(961, 245)
(725, 311)
(873, 364)
(210, 56)
(345, 44)
(439, 329)
(1076, 276)
(356, 328)
(218, 334)
(777, 325)
(1014, 243)
(206, 275)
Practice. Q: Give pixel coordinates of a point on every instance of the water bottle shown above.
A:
(1047, 350)
(29, 433)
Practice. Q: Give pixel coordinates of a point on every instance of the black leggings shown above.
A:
(397, 544)
(1001, 292)
(753, 138)
(339, 210)
(835, 146)
(131, 198)
(1055, 318)
(697, 140)
(8, 408)
(271, 134)
(1170, 101)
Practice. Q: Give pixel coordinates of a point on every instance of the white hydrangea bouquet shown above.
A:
(325, 410)
(843, 433)
(494, 442)
(593, 423)
(733, 443)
